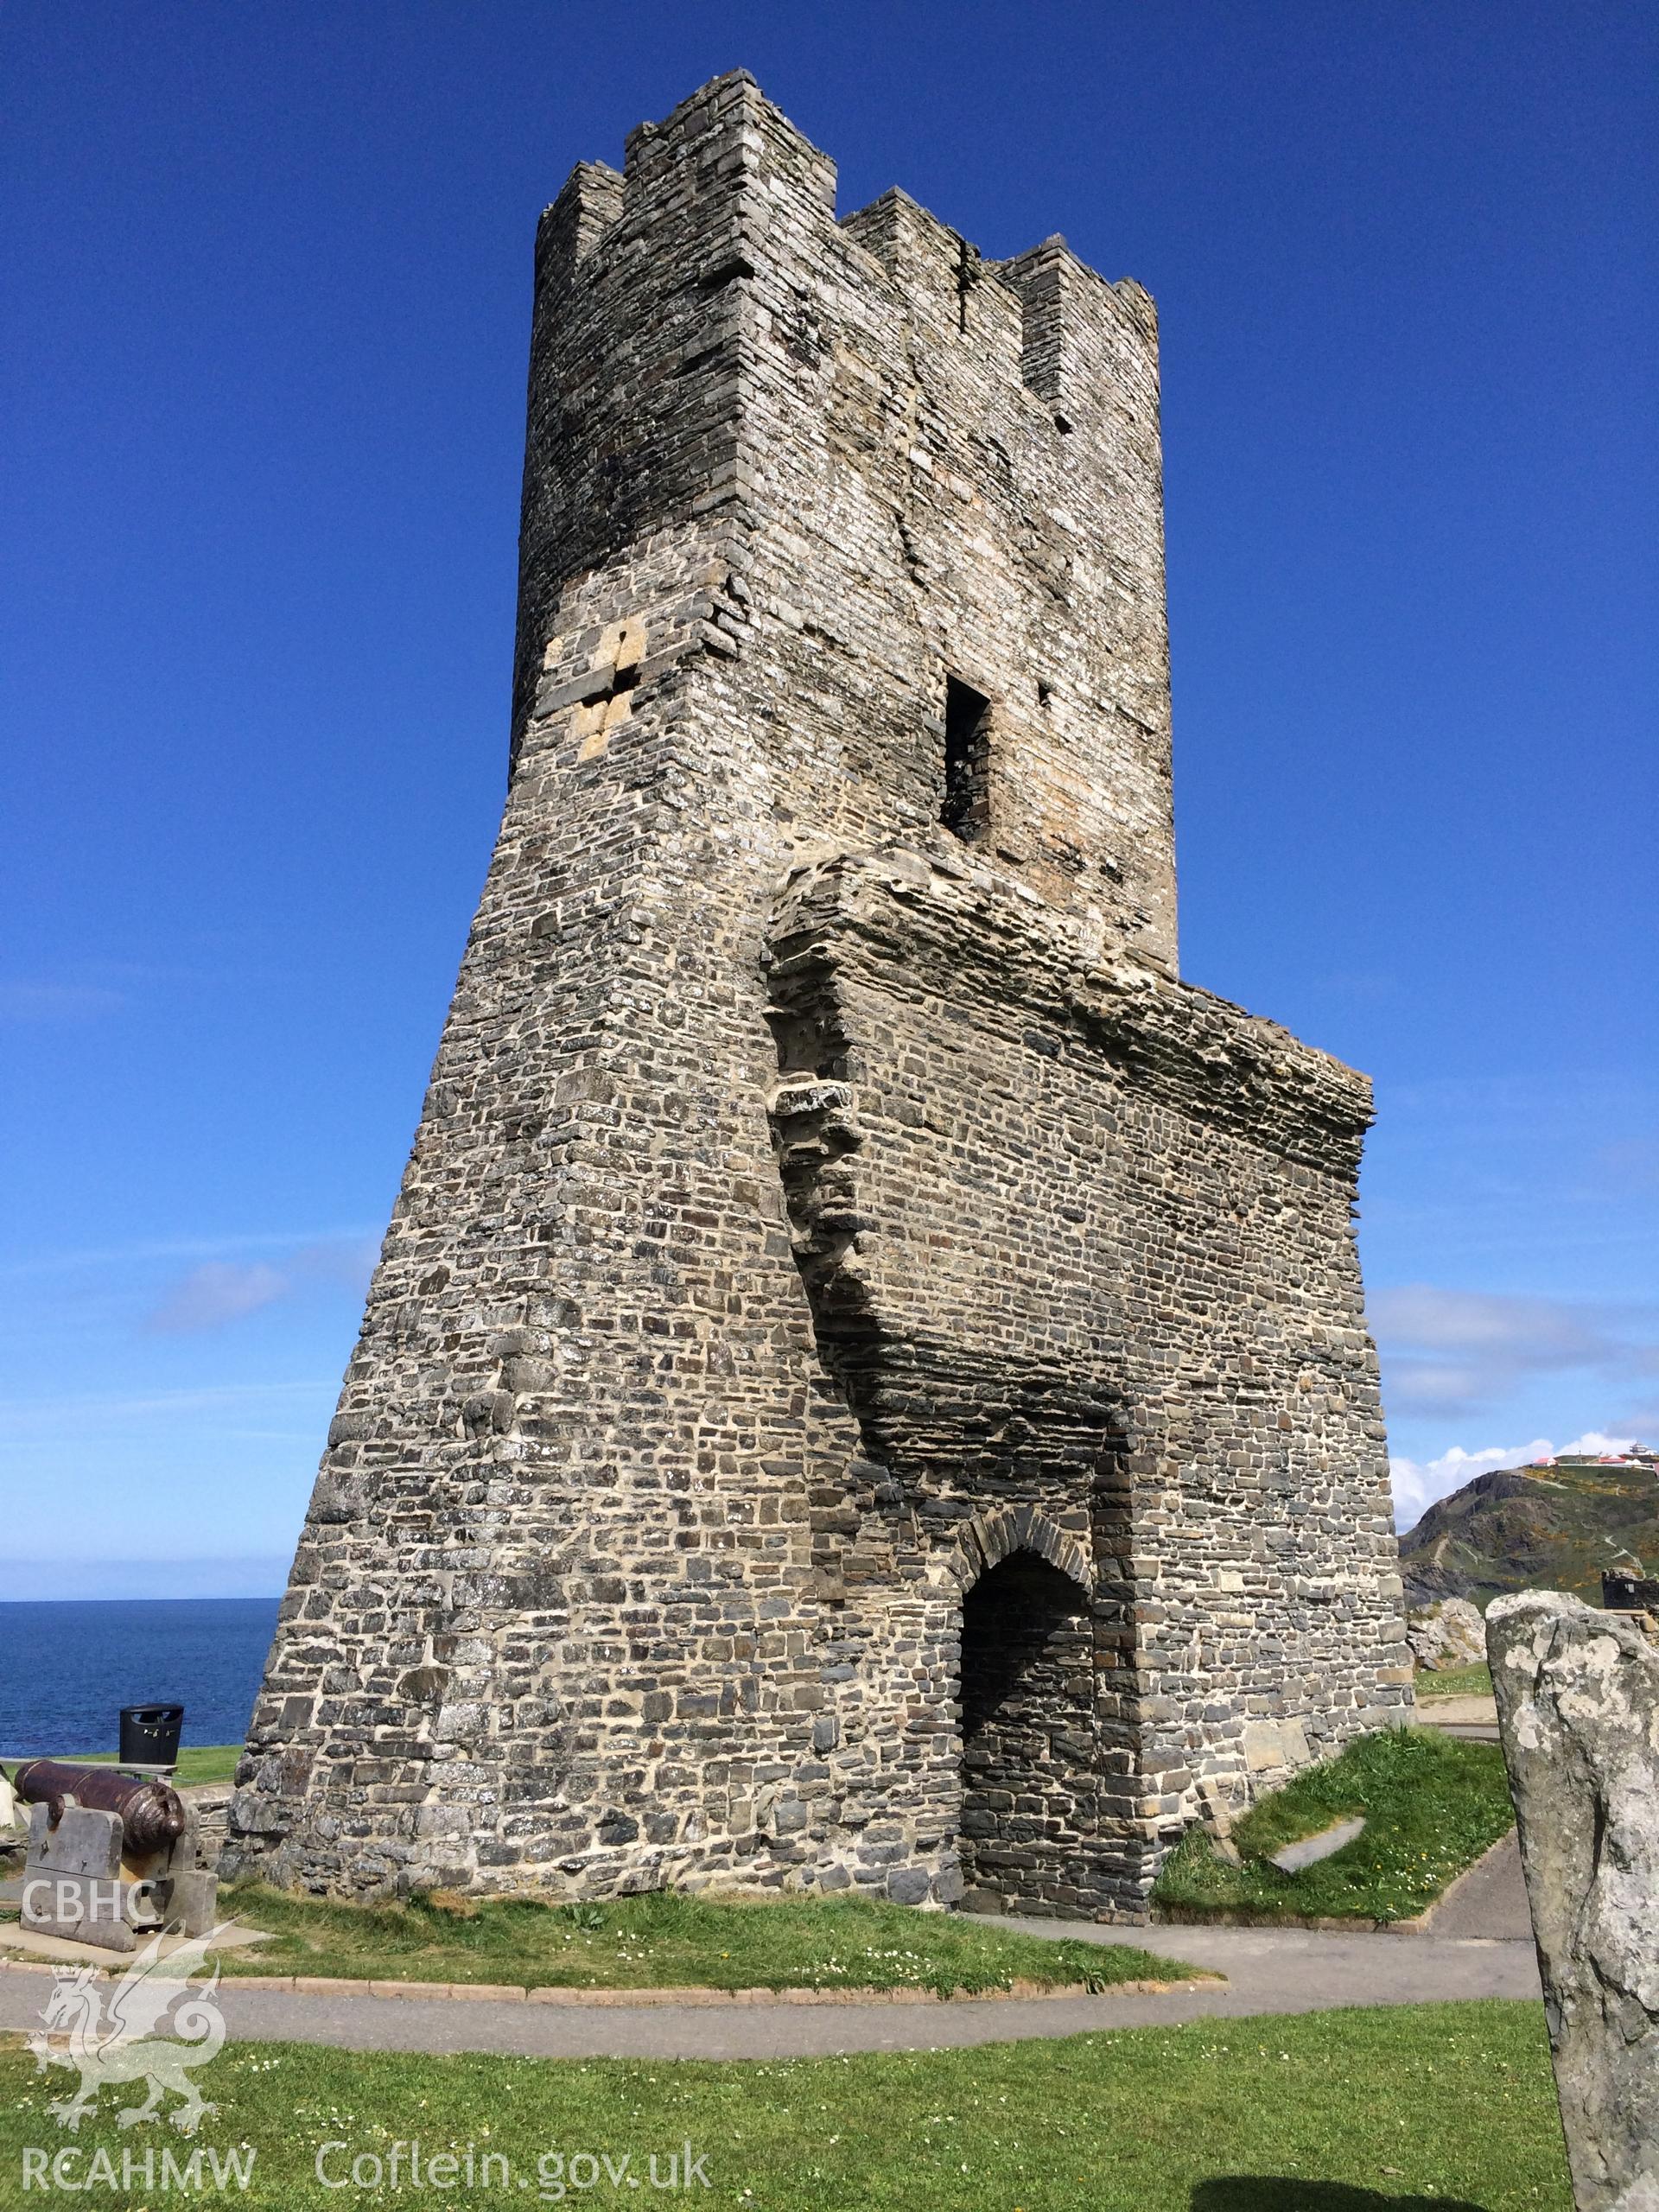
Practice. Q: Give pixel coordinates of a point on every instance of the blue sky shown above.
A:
(268, 290)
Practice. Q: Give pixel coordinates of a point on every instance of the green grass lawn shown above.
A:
(1456, 1681)
(1432, 1805)
(1390, 2110)
(664, 1940)
(197, 1761)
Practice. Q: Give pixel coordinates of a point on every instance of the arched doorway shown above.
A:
(1030, 1784)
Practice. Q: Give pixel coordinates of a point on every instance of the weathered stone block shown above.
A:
(84, 1842)
(1447, 1635)
(1578, 1708)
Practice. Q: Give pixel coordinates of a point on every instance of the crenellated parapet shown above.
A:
(937, 476)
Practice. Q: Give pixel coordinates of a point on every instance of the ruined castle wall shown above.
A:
(1102, 1264)
(567, 1609)
(550, 1612)
(957, 472)
(813, 1209)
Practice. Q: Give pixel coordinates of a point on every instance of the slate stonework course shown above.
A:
(828, 1200)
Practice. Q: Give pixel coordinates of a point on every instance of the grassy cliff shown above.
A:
(1532, 1528)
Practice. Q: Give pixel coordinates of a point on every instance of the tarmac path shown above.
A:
(1478, 1944)
(1475, 1949)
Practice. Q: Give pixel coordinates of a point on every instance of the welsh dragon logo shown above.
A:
(109, 2033)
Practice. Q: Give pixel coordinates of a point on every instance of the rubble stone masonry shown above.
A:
(866, 1383)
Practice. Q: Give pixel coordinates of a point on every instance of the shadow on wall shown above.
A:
(1272, 2193)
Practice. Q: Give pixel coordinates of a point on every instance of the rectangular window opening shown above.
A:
(966, 810)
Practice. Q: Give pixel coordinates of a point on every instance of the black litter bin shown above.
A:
(150, 1734)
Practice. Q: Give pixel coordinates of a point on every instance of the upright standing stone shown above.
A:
(1578, 1707)
(866, 1383)
(1447, 1634)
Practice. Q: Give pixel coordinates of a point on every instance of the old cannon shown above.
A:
(112, 1857)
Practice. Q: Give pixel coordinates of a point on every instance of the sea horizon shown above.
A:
(212, 1576)
(68, 1665)
(186, 1597)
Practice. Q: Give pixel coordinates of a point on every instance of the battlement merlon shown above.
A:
(589, 205)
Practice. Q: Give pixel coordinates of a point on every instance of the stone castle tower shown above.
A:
(867, 1382)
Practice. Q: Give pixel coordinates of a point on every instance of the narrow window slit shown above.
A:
(966, 810)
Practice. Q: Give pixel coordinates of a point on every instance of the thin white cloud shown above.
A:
(1428, 1385)
(1446, 1351)
(357, 1240)
(137, 1575)
(221, 1291)
(113, 1409)
(1533, 1331)
(1593, 1440)
(347, 1262)
(24, 1000)
(217, 1292)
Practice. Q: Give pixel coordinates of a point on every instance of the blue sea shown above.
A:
(66, 1669)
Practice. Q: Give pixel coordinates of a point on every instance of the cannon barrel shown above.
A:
(152, 1815)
